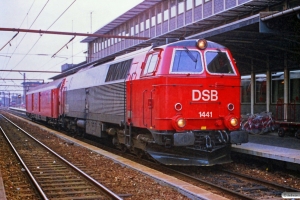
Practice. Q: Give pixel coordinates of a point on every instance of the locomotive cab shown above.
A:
(188, 94)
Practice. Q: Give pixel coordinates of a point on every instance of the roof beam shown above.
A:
(19, 79)
(6, 70)
(70, 33)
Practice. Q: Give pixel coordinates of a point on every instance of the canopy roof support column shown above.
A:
(286, 88)
(268, 89)
(252, 88)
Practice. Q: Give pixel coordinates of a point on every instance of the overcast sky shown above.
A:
(32, 51)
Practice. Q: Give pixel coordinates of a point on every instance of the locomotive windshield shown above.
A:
(218, 62)
(186, 61)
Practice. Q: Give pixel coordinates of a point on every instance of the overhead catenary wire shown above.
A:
(30, 62)
(40, 37)
(29, 28)
(31, 23)
(26, 16)
(61, 15)
(63, 47)
(9, 41)
(54, 23)
(26, 33)
(49, 28)
(46, 29)
(58, 63)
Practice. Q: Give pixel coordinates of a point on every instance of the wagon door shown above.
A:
(32, 102)
(39, 102)
(61, 97)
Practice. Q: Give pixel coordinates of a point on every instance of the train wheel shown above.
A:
(139, 153)
(297, 134)
(123, 148)
(281, 132)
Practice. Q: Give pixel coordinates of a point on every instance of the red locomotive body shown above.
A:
(189, 98)
(178, 103)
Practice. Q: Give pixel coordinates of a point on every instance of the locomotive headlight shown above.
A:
(233, 121)
(202, 44)
(178, 122)
(181, 122)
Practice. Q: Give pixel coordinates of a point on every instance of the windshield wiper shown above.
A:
(190, 54)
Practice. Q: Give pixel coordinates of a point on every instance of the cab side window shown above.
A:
(151, 64)
(218, 63)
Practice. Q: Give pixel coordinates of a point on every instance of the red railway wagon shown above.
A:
(42, 102)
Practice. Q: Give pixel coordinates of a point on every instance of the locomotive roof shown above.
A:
(131, 54)
(45, 87)
(210, 44)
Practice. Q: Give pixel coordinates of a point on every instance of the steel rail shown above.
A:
(214, 185)
(242, 196)
(42, 193)
(231, 192)
(261, 180)
(105, 189)
(130, 156)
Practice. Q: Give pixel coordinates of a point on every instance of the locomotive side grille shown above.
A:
(118, 71)
(107, 99)
(101, 103)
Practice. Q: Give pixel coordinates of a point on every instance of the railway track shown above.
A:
(235, 185)
(53, 176)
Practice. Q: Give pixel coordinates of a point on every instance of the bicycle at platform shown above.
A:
(259, 123)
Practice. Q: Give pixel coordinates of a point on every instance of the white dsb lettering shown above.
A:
(205, 95)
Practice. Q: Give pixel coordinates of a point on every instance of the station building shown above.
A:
(263, 36)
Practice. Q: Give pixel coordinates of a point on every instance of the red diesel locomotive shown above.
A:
(177, 103)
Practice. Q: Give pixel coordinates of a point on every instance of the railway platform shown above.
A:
(285, 149)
